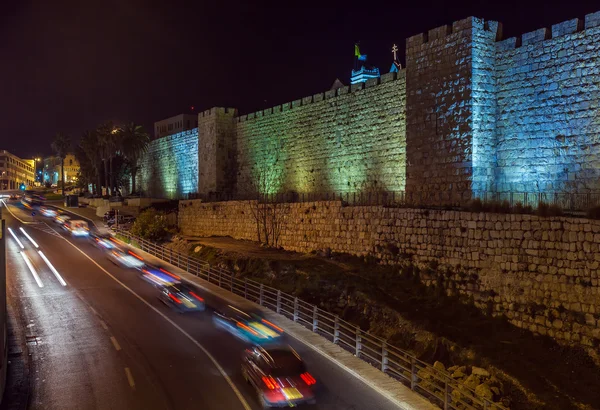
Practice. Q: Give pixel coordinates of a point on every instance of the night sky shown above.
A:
(66, 66)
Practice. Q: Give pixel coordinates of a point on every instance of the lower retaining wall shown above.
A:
(541, 273)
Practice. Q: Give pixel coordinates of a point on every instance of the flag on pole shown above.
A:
(357, 54)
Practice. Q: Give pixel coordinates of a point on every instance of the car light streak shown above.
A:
(16, 239)
(135, 256)
(32, 270)
(197, 297)
(53, 269)
(169, 273)
(28, 237)
(272, 325)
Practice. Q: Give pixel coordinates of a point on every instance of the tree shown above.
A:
(107, 140)
(61, 146)
(134, 143)
(268, 213)
(90, 153)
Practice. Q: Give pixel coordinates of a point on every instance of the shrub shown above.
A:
(475, 205)
(593, 213)
(150, 225)
(545, 209)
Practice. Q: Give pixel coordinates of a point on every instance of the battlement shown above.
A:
(564, 28)
(442, 32)
(373, 82)
(218, 110)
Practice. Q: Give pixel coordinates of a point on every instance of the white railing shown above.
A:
(421, 377)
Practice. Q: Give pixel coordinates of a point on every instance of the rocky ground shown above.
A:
(489, 355)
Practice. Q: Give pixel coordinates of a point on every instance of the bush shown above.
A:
(150, 225)
(545, 209)
(593, 213)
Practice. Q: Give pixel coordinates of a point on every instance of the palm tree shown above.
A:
(106, 137)
(91, 150)
(134, 143)
(61, 146)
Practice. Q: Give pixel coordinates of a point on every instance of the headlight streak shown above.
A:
(31, 268)
(16, 239)
(53, 269)
(28, 237)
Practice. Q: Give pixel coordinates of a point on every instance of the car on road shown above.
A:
(61, 219)
(126, 259)
(247, 325)
(49, 212)
(77, 227)
(157, 276)
(104, 242)
(13, 197)
(279, 376)
(182, 298)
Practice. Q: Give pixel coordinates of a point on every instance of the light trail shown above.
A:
(32, 269)
(28, 237)
(53, 269)
(16, 239)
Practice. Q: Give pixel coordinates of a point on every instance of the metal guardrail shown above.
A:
(572, 202)
(421, 377)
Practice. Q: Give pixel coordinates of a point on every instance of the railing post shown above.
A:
(295, 309)
(278, 306)
(208, 274)
(231, 283)
(260, 294)
(178, 260)
(413, 373)
(315, 319)
(245, 288)
(384, 357)
(358, 340)
(446, 394)
(219, 278)
(336, 329)
(187, 260)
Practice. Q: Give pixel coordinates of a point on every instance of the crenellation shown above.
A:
(567, 27)
(318, 97)
(343, 90)
(296, 103)
(439, 33)
(390, 76)
(535, 36)
(592, 20)
(357, 87)
(307, 100)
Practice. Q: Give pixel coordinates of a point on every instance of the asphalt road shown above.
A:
(104, 340)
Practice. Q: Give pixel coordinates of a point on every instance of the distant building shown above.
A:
(15, 171)
(52, 169)
(361, 72)
(174, 125)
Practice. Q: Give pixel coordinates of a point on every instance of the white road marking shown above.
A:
(175, 325)
(53, 269)
(103, 324)
(130, 378)
(16, 239)
(33, 272)
(15, 216)
(28, 237)
(115, 343)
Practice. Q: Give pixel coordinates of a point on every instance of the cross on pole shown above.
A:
(395, 50)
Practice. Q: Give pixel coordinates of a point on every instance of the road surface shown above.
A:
(100, 338)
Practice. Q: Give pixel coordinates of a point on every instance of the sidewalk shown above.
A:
(388, 387)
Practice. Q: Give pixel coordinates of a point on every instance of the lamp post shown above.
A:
(36, 177)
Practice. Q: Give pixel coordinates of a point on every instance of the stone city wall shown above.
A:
(169, 169)
(541, 273)
(548, 92)
(343, 140)
(470, 113)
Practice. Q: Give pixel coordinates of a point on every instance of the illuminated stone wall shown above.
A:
(346, 140)
(169, 169)
(540, 273)
(548, 95)
(450, 135)
(470, 113)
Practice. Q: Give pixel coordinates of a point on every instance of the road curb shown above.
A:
(391, 389)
